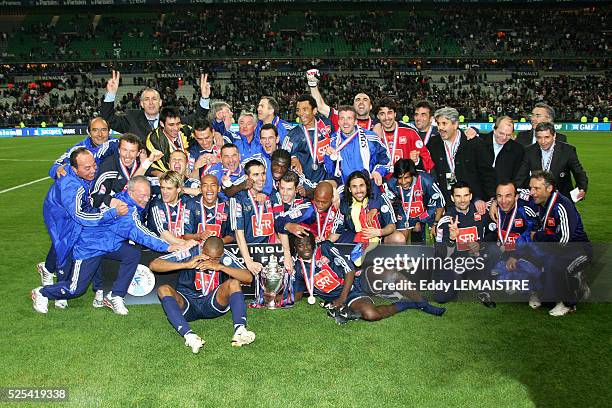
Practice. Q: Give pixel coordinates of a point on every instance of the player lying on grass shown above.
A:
(322, 271)
(208, 286)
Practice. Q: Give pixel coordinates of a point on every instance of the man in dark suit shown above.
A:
(541, 113)
(459, 159)
(556, 157)
(507, 153)
(142, 121)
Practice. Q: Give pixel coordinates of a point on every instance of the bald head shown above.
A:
(323, 196)
(213, 247)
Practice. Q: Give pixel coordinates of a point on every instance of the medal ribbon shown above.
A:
(312, 145)
(309, 282)
(428, 135)
(257, 209)
(412, 188)
(320, 231)
(391, 148)
(204, 216)
(450, 153)
(176, 228)
(504, 238)
(206, 291)
(553, 200)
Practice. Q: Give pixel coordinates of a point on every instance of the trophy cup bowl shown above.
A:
(272, 281)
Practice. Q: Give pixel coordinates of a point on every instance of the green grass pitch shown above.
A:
(510, 356)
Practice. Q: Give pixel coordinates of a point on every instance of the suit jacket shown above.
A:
(473, 165)
(564, 164)
(508, 160)
(135, 121)
(526, 137)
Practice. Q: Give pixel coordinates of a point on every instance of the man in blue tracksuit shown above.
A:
(110, 241)
(67, 209)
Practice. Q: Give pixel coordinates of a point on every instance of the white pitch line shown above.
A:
(23, 185)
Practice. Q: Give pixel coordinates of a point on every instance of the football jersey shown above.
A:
(214, 219)
(328, 272)
(175, 219)
(197, 282)
(254, 219)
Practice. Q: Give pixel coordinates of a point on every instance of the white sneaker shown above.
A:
(194, 341)
(534, 301)
(242, 337)
(46, 277)
(61, 304)
(561, 310)
(98, 299)
(115, 303)
(39, 302)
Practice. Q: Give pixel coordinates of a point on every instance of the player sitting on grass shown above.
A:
(208, 286)
(322, 271)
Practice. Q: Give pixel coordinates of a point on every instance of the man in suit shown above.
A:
(142, 121)
(507, 153)
(541, 113)
(556, 157)
(458, 159)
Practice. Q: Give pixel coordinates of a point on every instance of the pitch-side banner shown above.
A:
(399, 272)
(76, 3)
(71, 130)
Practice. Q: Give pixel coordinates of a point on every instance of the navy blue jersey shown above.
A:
(175, 218)
(196, 282)
(384, 217)
(473, 227)
(245, 148)
(322, 225)
(300, 142)
(255, 219)
(514, 227)
(418, 203)
(214, 219)
(559, 221)
(330, 268)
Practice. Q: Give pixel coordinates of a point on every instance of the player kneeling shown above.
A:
(322, 271)
(208, 286)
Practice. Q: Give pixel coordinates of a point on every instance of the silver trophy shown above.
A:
(272, 280)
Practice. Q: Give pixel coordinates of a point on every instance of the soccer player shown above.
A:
(179, 162)
(423, 121)
(168, 214)
(142, 122)
(97, 143)
(417, 201)
(515, 220)
(319, 216)
(361, 103)
(110, 241)
(354, 149)
(205, 152)
(560, 223)
(171, 135)
(67, 210)
(307, 141)
(251, 214)
(208, 286)
(116, 170)
(209, 214)
(229, 171)
(366, 220)
(267, 114)
(401, 140)
(323, 272)
(462, 229)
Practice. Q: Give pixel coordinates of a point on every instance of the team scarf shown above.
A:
(364, 150)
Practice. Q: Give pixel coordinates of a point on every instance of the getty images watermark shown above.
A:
(404, 272)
